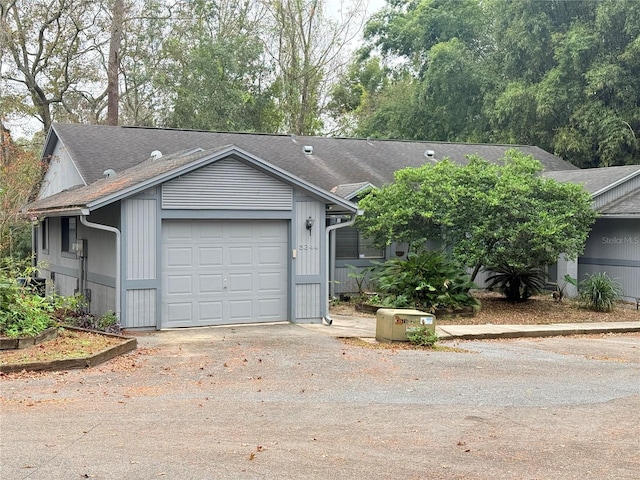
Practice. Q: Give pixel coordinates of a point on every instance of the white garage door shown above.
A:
(223, 272)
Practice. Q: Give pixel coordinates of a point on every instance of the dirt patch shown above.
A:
(68, 344)
(538, 310)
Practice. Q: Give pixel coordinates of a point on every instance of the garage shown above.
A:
(221, 272)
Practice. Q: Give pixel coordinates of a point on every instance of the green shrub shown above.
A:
(422, 336)
(426, 280)
(599, 292)
(22, 313)
(517, 283)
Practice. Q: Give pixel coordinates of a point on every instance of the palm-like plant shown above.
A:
(517, 283)
(599, 292)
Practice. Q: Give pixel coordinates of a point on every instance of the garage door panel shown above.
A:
(271, 282)
(269, 232)
(242, 231)
(271, 255)
(180, 313)
(210, 256)
(210, 231)
(180, 231)
(240, 256)
(241, 310)
(210, 312)
(210, 283)
(179, 284)
(269, 308)
(240, 283)
(223, 272)
(179, 257)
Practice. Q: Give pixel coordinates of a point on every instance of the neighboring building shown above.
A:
(613, 245)
(183, 228)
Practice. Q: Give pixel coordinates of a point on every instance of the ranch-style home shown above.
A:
(173, 228)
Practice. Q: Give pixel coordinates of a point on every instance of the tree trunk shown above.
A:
(113, 95)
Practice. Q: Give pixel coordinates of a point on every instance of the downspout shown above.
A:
(327, 318)
(86, 223)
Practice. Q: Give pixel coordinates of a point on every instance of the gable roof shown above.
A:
(151, 172)
(333, 161)
(596, 180)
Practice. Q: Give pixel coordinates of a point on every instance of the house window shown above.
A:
(68, 233)
(44, 235)
(351, 244)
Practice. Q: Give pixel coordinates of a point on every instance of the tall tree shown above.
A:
(559, 74)
(47, 49)
(113, 68)
(307, 46)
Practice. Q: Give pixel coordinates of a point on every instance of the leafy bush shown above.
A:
(426, 280)
(422, 336)
(517, 283)
(22, 312)
(26, 315)
(599, 292)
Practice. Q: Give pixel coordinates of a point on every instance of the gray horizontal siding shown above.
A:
(227, 184)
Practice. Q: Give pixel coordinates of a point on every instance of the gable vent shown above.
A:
(156, 154)
(308, 150)
(109, 173)
(429, 153)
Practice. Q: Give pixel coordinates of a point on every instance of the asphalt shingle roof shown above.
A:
(334, 161)
(594, 179)
(148, 169)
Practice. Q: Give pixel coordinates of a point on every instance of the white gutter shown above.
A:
(86, 223)
(327, 318)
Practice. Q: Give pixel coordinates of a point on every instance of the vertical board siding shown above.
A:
(141, 239)
(227, 184)
(141, 308)
(309, 243)
(308, 301)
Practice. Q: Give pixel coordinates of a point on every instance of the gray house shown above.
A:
(174, 228)
(613, 245)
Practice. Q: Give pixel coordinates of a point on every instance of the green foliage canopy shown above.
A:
(483, 213)
(559, 74)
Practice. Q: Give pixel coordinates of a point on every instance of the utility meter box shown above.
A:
(392, 325)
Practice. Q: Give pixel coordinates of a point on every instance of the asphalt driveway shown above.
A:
(286, 402)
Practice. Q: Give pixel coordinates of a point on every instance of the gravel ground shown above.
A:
(283, 402)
